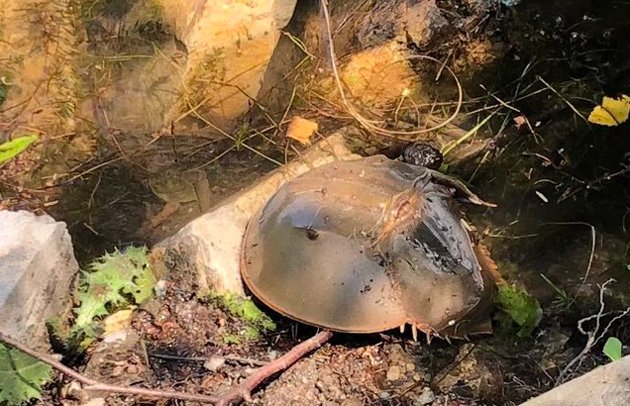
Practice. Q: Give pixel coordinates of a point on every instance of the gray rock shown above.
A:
(426, 397)
(606, 385)
(210, 245)
(37, 266)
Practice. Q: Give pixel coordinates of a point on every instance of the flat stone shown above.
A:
(37, 266)
(606, 385)
(211, 244)
(394, 373)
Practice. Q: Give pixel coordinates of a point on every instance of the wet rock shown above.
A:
(37, 266)
(210, 245)
(226, 42)
(606, 385)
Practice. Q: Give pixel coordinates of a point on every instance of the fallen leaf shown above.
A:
(117, 321)
(613, 348)
(520, 121)
(10, 149)
(612, 112)
(301, 130)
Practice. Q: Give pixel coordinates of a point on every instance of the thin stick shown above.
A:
(241, 391)
(594, 335)
(93, 385)
(240, 360)
(564, 99)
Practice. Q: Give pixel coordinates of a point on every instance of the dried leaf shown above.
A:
(117, 321)
(301, 130)
(520, 121)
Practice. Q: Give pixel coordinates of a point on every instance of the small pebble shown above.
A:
(393, 373)
(384, 395)
(272, 354)
(214, 363)
(410, 366)
(425, 398)
(160, 288)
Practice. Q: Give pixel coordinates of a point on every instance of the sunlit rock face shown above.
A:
(135, 65)
(229, 44)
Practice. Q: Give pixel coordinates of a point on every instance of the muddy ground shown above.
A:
(563, 190)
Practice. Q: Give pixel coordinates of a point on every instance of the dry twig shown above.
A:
(594, 335)
(241, 391)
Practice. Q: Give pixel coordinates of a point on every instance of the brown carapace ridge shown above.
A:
(366, 246)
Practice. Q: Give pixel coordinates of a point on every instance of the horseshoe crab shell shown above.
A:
(366, 246)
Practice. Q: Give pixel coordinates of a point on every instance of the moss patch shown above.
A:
(255, 322)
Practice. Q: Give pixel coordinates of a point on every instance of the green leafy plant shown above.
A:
(14, 147)
(241, 135)
(21, 376)
(613, 348)
(521, 307)
(113, 282)
(244, 309)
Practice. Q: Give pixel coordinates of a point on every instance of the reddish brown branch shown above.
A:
(242, 391)
(245, 388)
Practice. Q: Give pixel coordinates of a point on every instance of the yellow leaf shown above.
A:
(301, 129)
(612, 112)
(117, 322)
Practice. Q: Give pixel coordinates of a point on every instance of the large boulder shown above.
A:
(37, 267)
(603, 386)
(138, 64)
(210, 245)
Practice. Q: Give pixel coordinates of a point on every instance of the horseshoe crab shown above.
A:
(369, 245)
